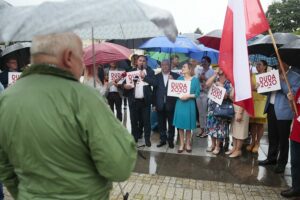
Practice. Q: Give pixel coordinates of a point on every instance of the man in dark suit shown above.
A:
(165, 105)
(11, 66)
(140, 99)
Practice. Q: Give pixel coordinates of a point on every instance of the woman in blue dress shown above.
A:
(185, 109)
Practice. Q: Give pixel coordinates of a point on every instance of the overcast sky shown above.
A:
(189, 14)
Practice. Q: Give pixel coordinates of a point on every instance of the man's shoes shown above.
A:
(171, 145)
(161, 144)
(290, 193)
(279, 169)
(267, 162)
(148, 143)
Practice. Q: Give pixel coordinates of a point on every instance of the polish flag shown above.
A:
(244, 19)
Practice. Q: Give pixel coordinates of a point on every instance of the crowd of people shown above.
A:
(73, 128)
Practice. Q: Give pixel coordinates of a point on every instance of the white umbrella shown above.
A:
(15, 47)
(22, 23)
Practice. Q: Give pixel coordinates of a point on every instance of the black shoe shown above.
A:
(148, 143)
(161, 144)
(290, 193)
(267, 162)
(171, 145)
(279, 169)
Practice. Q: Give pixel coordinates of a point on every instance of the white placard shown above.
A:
(130, 76)
(114, 75)
(13, 77)
(216, 94)
(268, 82)
(177, 88)
(177, 71)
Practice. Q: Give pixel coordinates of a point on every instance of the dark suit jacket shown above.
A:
(150, 79)
(160, 93)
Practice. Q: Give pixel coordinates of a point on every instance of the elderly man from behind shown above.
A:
(61, 141)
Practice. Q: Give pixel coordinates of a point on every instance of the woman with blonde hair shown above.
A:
(185, 109)
(257, 122)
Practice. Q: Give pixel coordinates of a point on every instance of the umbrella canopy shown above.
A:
(4, 4)
(272, 61)
(22, 23)
(290, 53)
(160, 56)
(15, 47)
(265, 46)
(206, 51)
(131, 43)
(192, 36)
(212, 39)
(162, 44)
(105, 52)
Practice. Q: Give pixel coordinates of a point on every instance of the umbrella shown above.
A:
(132, 43)
(22, 23)
(265, 46)
(272, 61)
(160, 56)
(212, 39)
(4, 4)
(192, 36)
(15, 47)
(105, 52)
(290, 53)
(162, 44)
(205, 51)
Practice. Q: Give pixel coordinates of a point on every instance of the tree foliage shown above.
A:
(284, 16)
(198, 31)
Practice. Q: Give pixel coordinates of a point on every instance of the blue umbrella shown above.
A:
(152, 62)
(162, 44)
(272, 61)
(205, 51)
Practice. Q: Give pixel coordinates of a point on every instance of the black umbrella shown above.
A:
(131, 43)
(265, 46)
(290, 53)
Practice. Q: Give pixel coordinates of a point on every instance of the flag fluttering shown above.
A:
(244, 19)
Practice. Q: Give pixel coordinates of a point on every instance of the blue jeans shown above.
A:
(295, 163)
(1, 192)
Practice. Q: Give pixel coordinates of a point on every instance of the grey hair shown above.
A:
(54, 44)
(165, 61)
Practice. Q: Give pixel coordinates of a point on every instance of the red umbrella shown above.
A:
(211, 39)
(105, 52)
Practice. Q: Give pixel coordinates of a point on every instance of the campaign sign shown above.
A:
(130, 76)
(13, 77)
(268, 82)
(178, 71)
(114, 75)
(177, 88)
(216, 94)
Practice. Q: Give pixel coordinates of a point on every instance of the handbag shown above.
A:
(225, 110)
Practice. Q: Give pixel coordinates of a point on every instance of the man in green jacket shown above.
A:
(58, 138)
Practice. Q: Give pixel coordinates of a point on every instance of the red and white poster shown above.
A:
(114, 75)
(13, 77)
(268, 82)
(216, 94)
(177, 88)
(130, 76)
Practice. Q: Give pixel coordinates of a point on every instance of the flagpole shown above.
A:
(94, 59)
(282, 69)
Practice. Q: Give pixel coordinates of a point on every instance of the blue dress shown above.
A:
(185, 111)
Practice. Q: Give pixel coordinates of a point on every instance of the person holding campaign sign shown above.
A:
(165, 105)
(185, 109)
(11, 66)
(218, 128)
(257, 122)
(114, 97)
(280, 117)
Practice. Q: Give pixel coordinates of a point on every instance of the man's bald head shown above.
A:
(61, 49)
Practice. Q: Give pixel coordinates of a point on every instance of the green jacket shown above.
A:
(60, 140)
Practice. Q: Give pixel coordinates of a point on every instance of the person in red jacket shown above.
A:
(294, 191)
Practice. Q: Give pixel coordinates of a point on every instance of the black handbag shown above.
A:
(225, 111)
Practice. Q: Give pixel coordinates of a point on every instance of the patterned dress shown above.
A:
(217, 127)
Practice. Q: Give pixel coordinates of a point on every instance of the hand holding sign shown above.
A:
(216, 93)
(13, 77)
(268, 82)
(178, 88)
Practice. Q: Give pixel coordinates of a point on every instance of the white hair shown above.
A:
(54, 44)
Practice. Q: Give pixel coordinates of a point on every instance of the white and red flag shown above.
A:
(244, 19)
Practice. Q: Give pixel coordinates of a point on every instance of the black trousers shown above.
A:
(114, 100)
(295, 163)
(140, 114)
(165, 116)
(278, 135)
